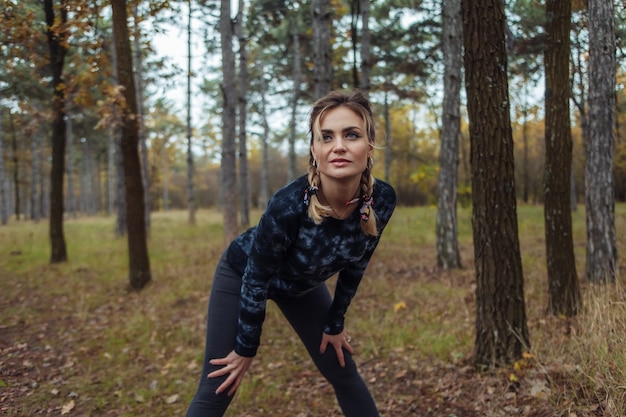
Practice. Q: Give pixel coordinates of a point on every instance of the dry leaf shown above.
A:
(67, 407)
(172, 399)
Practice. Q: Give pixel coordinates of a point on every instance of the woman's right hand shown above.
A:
(235, 366)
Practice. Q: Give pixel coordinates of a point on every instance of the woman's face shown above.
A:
(343, 149)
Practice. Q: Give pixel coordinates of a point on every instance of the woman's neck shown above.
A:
(338, 193)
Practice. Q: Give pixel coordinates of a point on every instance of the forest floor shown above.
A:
(75, 342)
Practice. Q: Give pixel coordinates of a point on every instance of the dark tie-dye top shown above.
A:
(287, 254)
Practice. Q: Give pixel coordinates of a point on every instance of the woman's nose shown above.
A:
(340, 144)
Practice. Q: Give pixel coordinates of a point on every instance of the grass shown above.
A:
(72, 336)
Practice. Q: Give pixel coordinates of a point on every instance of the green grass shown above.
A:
(73, 331)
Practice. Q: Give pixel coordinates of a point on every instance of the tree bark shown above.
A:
(599, 150)
(564, 294)
(139, 263)
(322, 56)
(229, 113)
(57, 35)
(501, 328)
(448, 255)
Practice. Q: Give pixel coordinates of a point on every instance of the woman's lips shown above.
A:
(340, 162)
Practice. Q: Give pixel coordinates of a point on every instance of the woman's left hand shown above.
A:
(339, 342)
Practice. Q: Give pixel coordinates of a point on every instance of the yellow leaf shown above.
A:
(512, 377)
(399, 306)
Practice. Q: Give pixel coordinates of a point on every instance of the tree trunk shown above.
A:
(322, 56)
(355, 13)
(295, 98)
(366, 46)
(229, 92)
(388, 138)
(501, 328)
(564, 294)
(17, 202)
(121, 220)
(34, 178)
(71, 206)
(600, 147)
(165, 178)
(111, 172)
(264, 193)
(448, 255)
(4, 195)
(244, 177)
(139, 263)
(191, 196)
(57, 36)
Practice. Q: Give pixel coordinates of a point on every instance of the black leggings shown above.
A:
(306, 315)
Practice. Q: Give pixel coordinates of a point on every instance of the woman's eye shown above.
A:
(352, 135)
(327, 138)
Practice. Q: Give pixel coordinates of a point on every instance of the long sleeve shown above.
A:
(273, 237)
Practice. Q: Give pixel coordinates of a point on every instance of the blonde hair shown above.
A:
(358, 103)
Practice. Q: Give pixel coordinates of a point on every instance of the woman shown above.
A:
(320, 224)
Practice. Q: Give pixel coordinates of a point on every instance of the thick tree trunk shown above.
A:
(564, 294)
(501, 328)
(448, 255)
(57, 35)
(322, 56)
(139, 263)
(229, 113)
(600, 146)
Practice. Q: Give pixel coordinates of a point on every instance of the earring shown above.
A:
(370, 162)
(314, 163)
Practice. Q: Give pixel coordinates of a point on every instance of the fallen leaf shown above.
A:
(172, 399)
(67, 407)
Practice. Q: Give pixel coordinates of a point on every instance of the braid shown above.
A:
(316, 210)
(367, 187)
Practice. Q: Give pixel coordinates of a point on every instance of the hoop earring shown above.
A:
(370, 163)
(314, 163)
